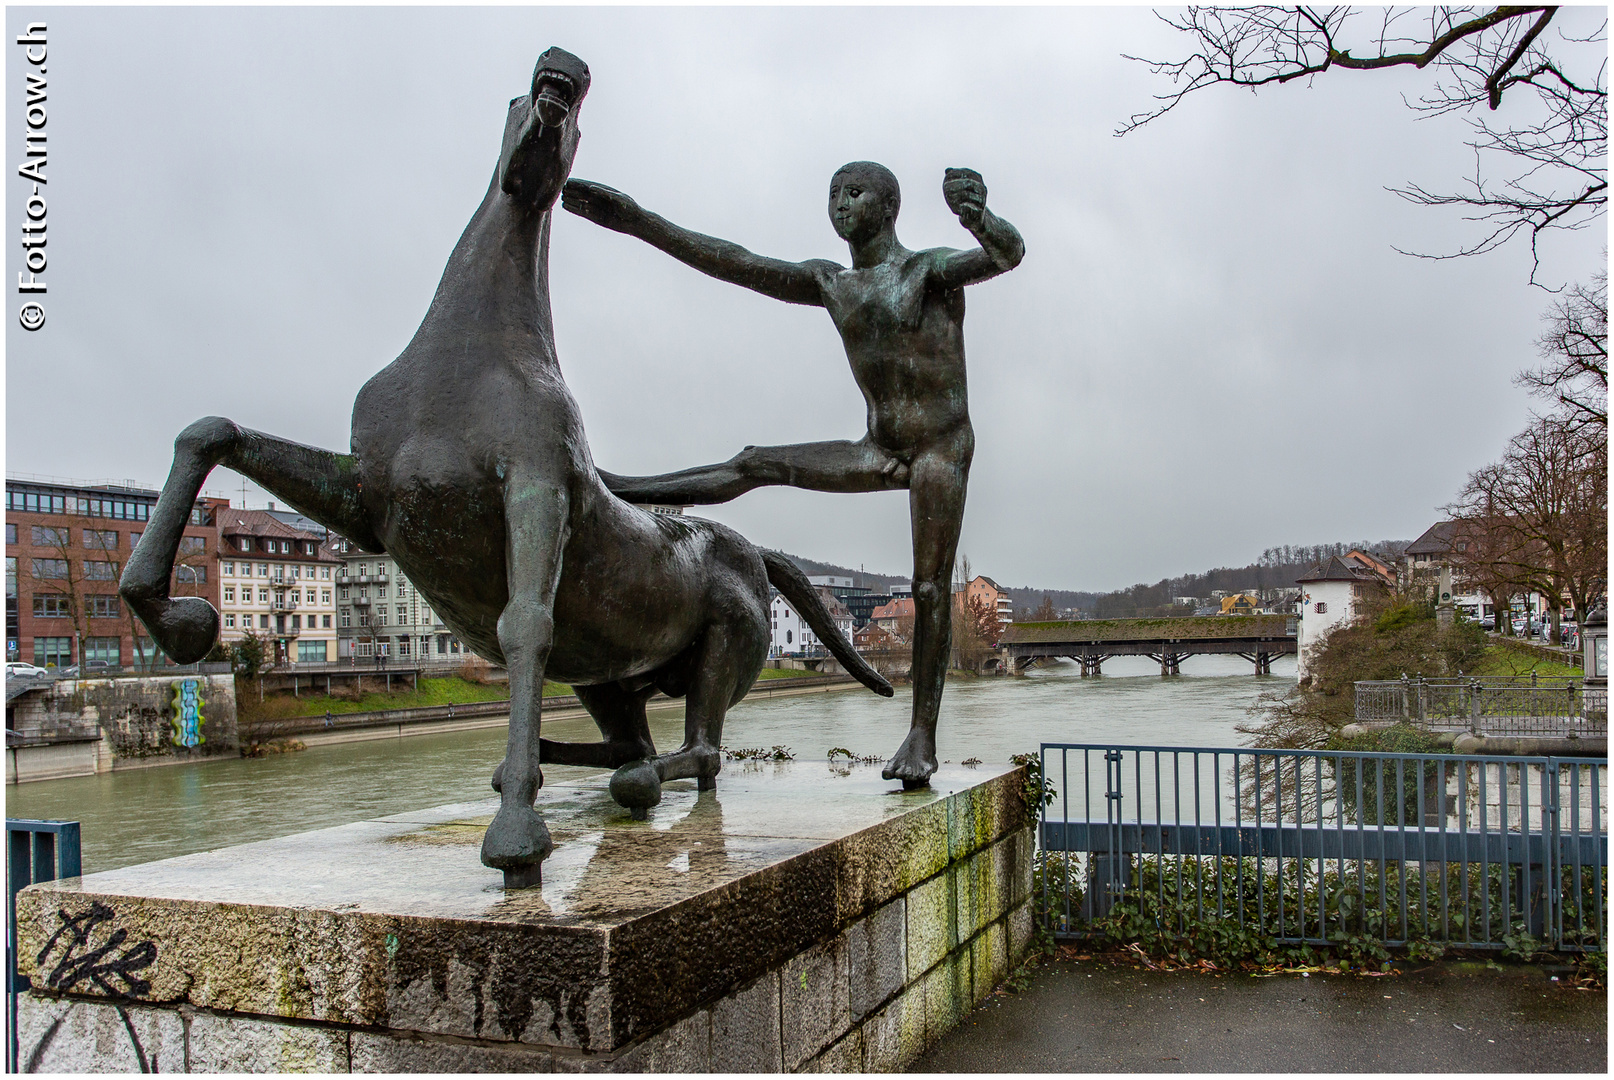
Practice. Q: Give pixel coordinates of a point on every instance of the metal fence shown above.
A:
(35, 851)
(1318, 847)
(1488, 706)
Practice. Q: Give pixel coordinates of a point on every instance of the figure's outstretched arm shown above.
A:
(1001, 247)
(795, 283)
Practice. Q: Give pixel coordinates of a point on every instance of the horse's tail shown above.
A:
(793, 584)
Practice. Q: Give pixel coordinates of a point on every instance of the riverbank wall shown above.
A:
(118, 724)
(79, 727)
(792, 920)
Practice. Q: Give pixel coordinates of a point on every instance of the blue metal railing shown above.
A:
(1314, 847)
(35, 851)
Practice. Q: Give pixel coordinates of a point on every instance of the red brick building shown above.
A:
(66, 544)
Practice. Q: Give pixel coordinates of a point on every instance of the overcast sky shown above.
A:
(1211, 347)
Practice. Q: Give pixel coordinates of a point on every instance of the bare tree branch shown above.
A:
(1550, 156)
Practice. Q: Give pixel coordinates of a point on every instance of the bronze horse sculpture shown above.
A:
(470, 467)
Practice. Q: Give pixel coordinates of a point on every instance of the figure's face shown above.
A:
(857, 208)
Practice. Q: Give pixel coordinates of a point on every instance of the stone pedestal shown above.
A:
(802, 917)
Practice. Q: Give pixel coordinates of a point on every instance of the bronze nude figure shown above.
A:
(469, 465)
(900, 314)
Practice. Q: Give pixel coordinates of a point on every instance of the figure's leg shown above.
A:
(316, 482)
(724, 655)
(535, 509)
(824, 466)
(936, 504)
(620, 716)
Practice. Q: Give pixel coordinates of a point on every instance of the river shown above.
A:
(138, 815)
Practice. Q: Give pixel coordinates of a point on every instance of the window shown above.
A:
(49, 568)
(134, 540)
(145, 652)
(788, 637)
(108, 649)
(325, 622)
(229, 622)
(347, 617)
(11, 576)
(263, 622)
(263, 569)
(104, 606)
(324, 596)
(403, 646)
(341, 590)
(11, 533)
(364, 592)
(381, 616)
(312, 652)
(101, 539)
(1322, 608)
(325, 573)
(50, 606)
(263, 596)
(229, 594)
(53, 650)
(296, 622)
(100, 570)
(403, 614)
(229, 569)
(381, 591)
(188, 575)
(48, 536)
(442, 644)
(244, 543)
(192, 545)
(364, 618)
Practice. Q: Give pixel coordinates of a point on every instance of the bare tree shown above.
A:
(1539, 169)
(1545, 504)
(1574, 353)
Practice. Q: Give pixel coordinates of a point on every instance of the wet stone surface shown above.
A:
(395, 923)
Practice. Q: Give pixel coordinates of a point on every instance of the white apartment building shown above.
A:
(790, 634)
(379, 612)
(278, 582)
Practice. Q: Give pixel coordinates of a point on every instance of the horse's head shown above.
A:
(540, 133)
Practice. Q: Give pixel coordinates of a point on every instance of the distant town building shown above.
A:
(66, 544)
(790, 634)
(380, 613)
(991, 594)
(1332, 594)
(276, 581)
(1240, 604)
(891, 616)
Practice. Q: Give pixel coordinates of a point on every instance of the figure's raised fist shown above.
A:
(965, 193)
(600, 204)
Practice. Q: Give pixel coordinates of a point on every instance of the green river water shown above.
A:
(139, 815)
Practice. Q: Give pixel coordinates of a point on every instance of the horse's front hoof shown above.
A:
(518, 840)
(636, 786)
(185, 628)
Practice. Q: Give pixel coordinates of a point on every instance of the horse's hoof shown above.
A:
(498, 778)
(636, 786)
(517, 840)
(185, 628)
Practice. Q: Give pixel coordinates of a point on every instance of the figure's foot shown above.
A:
(517, 842)
(184, 628)
(637, 786)
(915, 760)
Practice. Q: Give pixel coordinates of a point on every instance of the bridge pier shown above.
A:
(1092, 665)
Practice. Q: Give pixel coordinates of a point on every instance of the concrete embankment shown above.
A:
(400, 723)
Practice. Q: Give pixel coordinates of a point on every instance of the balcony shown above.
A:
(361, 579)
(287, 632)
(358, 601)
(283, 605)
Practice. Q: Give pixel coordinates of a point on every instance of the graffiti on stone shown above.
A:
(79, 959)
(187, 719)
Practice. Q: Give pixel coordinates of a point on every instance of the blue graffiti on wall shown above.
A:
(188, 717)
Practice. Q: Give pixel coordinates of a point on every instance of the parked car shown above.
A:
(1488, 623)
(19, 670)
(89, 667)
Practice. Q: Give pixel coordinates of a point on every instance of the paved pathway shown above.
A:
(1088, 1016)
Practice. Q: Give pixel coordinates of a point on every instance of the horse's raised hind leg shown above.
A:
(637, 786)
(535, 508)
(316, 482)
(619, 714)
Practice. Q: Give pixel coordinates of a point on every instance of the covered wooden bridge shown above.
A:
(1257, 638)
